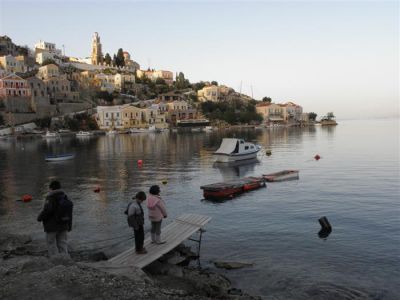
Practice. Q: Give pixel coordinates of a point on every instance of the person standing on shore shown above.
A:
(136, 221)
(56, 216)
(157, 212)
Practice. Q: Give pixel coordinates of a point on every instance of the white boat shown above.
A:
(84, 133)
(51, 135)
(143, 130)
(111, 132)
(195, 129)
(208, 128)
(59, 157)
(236, 149)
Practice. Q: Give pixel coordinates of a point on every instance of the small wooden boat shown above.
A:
(282, 176)
(232, 188)
(59, 157)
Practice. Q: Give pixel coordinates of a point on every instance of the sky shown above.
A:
(339, 56)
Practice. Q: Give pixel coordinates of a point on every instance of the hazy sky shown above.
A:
(338, 56)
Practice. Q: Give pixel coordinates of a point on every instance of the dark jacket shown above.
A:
(135, 215)
(48, 214)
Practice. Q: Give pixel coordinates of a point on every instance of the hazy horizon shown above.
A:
(326, 56)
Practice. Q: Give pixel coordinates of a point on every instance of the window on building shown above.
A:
(106, 115)
(246, 147)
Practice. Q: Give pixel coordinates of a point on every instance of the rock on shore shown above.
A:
(25, 273)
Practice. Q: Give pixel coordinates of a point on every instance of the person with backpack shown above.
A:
(157, 212)
(56, 216)
(136, 221)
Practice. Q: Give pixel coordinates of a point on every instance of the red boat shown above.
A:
(230, 189)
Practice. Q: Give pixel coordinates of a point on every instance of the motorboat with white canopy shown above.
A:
(236, 149)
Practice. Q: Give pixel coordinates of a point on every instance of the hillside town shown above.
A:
(46, 87)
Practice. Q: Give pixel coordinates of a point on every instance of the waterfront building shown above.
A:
(48, 71)
(128, 116)
(110, 117)
(12, 85)
(13, 64)
(132, 117)
(180, 110)
(292, 112)
(272, 113)
(97, 55)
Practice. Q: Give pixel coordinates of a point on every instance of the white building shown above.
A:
(42, 56)
(43, 46)
(48, 71)
(110, 117)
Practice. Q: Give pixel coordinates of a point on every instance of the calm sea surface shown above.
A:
(356, 184)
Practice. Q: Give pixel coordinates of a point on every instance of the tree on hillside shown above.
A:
(1, 120)
(107, 59)
(214, 83)
(181, 82)
(198, 85)
(114, 60)
(120, 60)
(312, 116)
(22, 50)
(105, 96)
(267, 99)
(48, 61)
(330, 115)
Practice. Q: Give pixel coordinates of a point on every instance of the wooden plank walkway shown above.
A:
(174, 233)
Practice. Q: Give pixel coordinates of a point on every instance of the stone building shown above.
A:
(13, 64)
(7, 47)
(12, 85)
(48, 71)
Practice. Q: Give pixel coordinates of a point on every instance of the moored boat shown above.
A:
(51, 135)
(236, 149)
(59, 157)
(282, 176)
(84, 133)
(232, 188)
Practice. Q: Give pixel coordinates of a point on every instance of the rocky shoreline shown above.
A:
(27, 273)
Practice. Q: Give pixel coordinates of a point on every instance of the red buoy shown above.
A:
(317, 157)
(140, 163)
(96, 189)
(26, 198)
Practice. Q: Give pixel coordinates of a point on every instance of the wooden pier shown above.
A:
(174, 233)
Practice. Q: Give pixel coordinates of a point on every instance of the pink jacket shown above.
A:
(156, 208)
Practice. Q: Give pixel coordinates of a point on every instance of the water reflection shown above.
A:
(237, 168)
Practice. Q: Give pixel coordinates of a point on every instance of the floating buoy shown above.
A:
(96, 189)
(140, 162)
(326, 228)
(323, 221)
(268, 152)
(164, 181)
(26, 198)
(317, 157)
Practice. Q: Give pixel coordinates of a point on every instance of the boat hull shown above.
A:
(230, 189)
(60, 157)
(282, 176)
(226, 158)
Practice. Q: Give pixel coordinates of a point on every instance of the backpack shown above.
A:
(64, 209)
